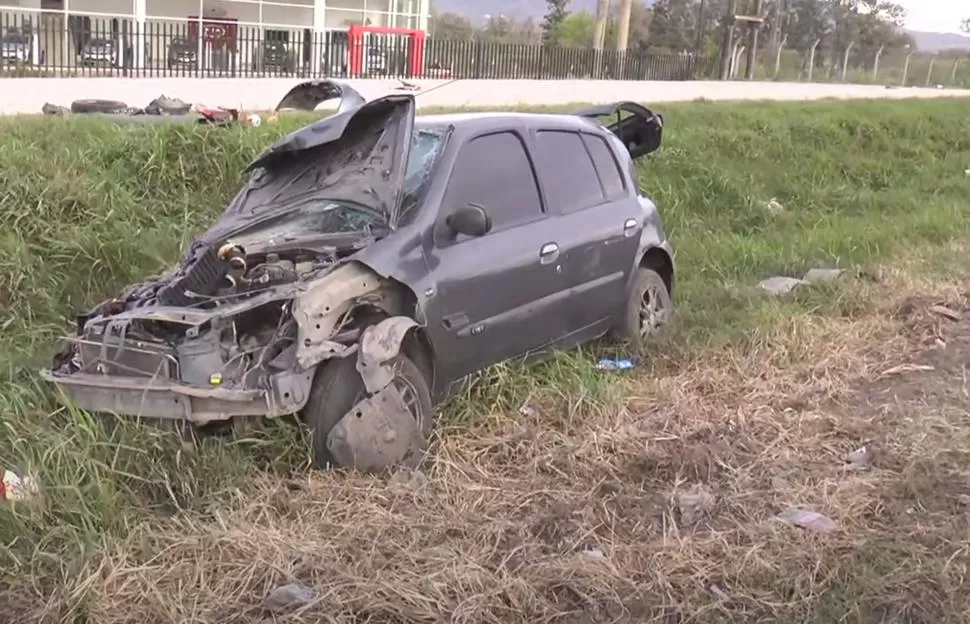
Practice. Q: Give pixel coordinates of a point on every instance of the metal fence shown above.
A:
(110, 47)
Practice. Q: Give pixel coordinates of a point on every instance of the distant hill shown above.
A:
(475, 10)
(935, 42)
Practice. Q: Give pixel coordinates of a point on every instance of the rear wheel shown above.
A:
(338, 387)
(648, 310)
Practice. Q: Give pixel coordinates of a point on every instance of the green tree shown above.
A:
(556, 13)
(577, 30)
(672, 25)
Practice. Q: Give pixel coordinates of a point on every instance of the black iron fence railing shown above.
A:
(74, 46)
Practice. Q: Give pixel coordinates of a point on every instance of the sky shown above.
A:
(935, 15)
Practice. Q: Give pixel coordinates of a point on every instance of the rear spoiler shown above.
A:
(640, 129)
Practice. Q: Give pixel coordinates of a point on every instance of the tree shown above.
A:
(672, 24)
(577, 30)
(451, 26)
(965, 25)
(551, 22)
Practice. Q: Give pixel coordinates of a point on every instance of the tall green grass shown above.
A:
(89, 207)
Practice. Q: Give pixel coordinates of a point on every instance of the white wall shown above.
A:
(28, 95)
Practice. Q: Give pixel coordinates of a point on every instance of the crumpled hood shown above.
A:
(358, 155)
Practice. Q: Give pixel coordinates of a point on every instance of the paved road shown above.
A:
(28, 95)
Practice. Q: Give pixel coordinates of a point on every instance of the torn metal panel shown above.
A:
(306, 96)
(376, 433)
(380, 344)
(319, 311)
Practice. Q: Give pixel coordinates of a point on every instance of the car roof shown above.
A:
(484, 120)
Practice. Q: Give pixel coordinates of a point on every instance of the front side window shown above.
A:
(494, 172)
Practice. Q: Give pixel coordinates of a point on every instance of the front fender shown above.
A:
(379, 344)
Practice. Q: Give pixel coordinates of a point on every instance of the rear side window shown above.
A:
(494, 172)
(606, 166)
(567, 172)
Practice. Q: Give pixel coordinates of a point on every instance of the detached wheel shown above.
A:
(648, 310)
(110, 107)
(338, 387)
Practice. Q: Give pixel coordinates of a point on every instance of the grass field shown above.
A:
(576, 510)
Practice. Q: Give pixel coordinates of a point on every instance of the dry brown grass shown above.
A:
(549, 518)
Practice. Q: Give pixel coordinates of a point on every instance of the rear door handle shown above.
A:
(548, 253)
(629, 227)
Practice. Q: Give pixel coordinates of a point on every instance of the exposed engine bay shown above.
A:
(233, 350)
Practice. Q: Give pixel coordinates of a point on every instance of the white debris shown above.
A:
(290, 596)
(808, 520)
(822, 275)
(774, 206)
(860, 459)
(780, 285)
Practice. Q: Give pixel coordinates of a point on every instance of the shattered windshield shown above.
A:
(311, 217)
(425, 147)
(292, 183)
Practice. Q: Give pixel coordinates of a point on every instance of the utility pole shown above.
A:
(727, 44)
(753, 27)
(700, 29)
(623, 28)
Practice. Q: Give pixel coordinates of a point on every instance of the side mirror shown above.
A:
(470, 220)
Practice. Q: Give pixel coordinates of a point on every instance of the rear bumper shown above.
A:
(164, 399)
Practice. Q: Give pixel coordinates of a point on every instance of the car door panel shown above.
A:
(598, 261)
(496, 295)
(495, 310)
(597, 244)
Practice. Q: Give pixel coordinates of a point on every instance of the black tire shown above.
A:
(98, 106)
(338, 386)
(650, 289)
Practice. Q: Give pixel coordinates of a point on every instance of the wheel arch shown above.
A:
(659, 260)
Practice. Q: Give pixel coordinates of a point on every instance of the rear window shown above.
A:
(606, 166)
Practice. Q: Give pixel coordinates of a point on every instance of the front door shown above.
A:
(497, 295)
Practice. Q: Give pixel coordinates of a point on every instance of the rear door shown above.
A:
(600, 221)
(498, 295)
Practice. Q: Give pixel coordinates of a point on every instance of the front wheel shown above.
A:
(648, 310)
(338, 387)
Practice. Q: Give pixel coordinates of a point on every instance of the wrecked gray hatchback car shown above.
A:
(372, 261)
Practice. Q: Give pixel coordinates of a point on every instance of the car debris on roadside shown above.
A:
(373, 260)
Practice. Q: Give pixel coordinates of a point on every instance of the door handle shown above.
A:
(629, 227)
(548, 253)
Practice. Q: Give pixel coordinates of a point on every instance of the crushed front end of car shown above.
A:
(276, 287)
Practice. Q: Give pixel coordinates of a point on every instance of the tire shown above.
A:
(338, 386)
(646, 283)
(98, 106)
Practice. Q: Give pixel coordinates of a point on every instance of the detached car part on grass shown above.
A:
(353, 279)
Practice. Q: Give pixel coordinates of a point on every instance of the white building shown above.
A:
(60, 25)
